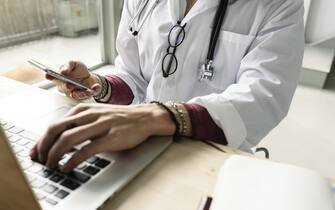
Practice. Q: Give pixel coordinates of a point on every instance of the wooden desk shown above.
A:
(25, 73)
(177, 180)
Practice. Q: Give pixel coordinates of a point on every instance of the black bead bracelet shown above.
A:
(176, 135)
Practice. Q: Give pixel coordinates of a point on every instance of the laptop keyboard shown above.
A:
(50, 186)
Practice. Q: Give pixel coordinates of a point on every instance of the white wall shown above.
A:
(320, 24)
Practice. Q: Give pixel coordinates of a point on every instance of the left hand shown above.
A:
(106, 127)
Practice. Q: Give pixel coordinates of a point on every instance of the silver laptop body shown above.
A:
(25, 115)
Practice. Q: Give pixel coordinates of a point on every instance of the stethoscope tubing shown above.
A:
(218, 22)
(140, 10)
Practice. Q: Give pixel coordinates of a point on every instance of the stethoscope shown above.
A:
(206, 71)
(144, 3)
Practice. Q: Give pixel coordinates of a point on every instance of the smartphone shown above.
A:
(60, 77)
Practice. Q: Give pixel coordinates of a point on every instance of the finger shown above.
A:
(97, 88)
(70, 87)
(49, 77)
(83, 154)
(45, 143)
(81, 94)
(68, 68)
(34, 153)
(77, 109)
(61, 87)
(73, 137)
(54, 131)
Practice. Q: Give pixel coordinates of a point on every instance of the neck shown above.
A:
(190, 4)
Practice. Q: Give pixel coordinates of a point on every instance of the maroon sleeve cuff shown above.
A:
(121, 92)
(203, 126)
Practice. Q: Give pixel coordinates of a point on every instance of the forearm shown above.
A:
(195, 122)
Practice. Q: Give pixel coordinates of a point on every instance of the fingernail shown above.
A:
(64, 169)
(49, 165)
(41, 158)
(32, 153)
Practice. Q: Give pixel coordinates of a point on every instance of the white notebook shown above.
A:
(251, 184)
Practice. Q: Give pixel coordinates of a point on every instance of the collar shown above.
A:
(177, 8)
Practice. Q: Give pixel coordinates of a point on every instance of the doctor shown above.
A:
(213, 69)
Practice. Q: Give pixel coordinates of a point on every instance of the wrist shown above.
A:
(94, 79)
(159, 121)
(104, 93)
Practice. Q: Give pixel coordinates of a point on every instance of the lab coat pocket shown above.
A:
(229, 52)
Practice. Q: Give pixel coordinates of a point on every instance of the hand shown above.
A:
(104, 128)
(79, 72)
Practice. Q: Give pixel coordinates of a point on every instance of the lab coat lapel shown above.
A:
(200, 7)
(176, 10)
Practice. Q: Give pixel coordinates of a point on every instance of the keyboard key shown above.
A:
(23, 142)
(26, 164)
(64, 160)
(72, 151)
(8, 134)
(24, 153)
(57, 178)
(39, 196)
(61, 194)
(20, 159)
(17, 149)
(29, 135)
(50, 188)
(102, 163)
(45, 172)
(13, 138)
(7, 126)
(30, 178)
(30, 145)
(35, 168)
(81, 166)
(92, 159)
(15, 130)
(52, 202)
(79, 176)
(91, 170)
(38, 184)
(72, 185)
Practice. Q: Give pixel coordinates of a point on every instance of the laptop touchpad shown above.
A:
(44, 121)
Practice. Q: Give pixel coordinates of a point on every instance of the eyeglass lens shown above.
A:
(176, 38)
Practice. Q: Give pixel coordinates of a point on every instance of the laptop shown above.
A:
(26, 184)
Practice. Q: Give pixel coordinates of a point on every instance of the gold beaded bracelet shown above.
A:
(182, 117)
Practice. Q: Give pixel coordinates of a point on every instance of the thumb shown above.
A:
(97, 88)
(68, 68)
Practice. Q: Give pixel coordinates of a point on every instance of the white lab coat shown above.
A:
(257, 61)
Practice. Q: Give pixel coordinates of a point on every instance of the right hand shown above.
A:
(79, 72)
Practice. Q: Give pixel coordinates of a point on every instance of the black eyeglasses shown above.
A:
(176, 37)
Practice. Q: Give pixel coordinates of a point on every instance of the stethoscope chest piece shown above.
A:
(206, 71)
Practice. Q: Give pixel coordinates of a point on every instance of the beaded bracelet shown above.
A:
(176, 135)
(104, 90)
(181, 115)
